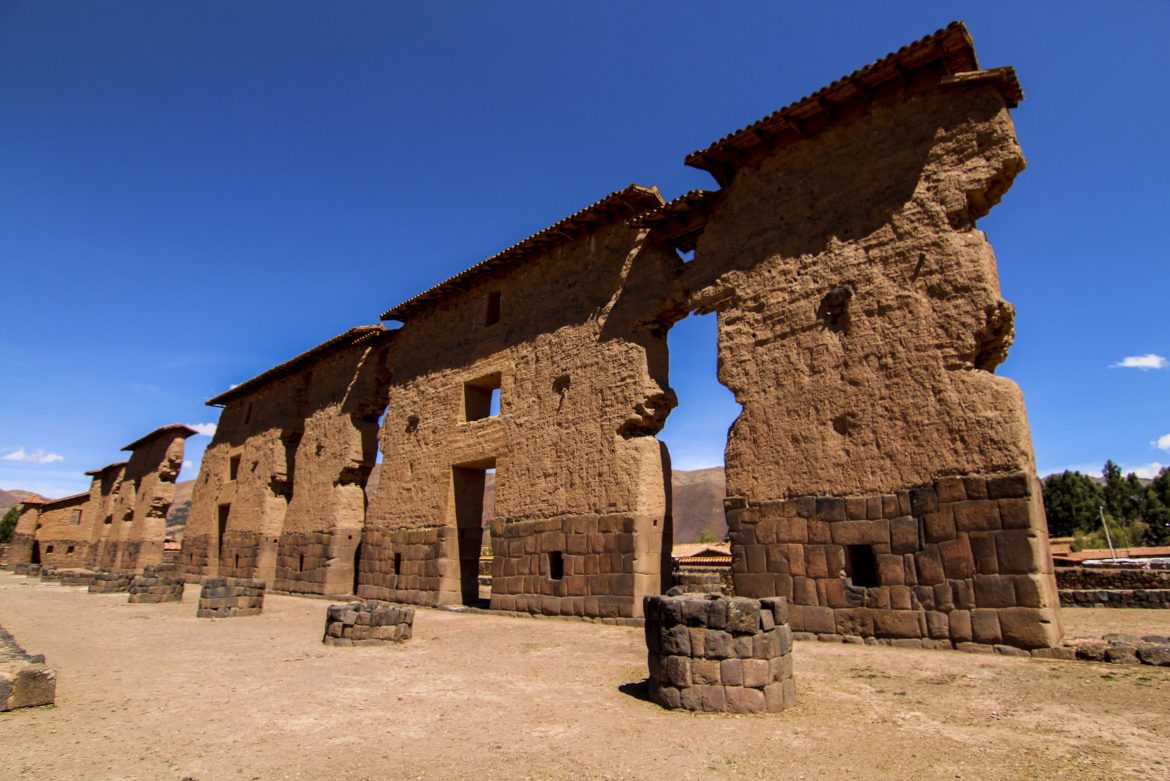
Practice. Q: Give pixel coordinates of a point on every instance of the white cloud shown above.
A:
(1145, 471)
(206, 429)
(1162, 443)
(38, 456)
(1143, 362)
(188, 465)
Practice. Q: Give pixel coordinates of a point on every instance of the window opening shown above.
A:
(69, 549)
(861, 565)
(221, 524)
(357, 568)
(481, 397)
(109, 519)
(233, 467)
(248, 414)
(75, 518)
(556, 565)
(48, 549)
(492, 308)
(301, 563)
(397, 563)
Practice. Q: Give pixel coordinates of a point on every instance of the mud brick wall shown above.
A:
(155, 588)
(25, 681)
(576, 565)
(370, 623)
(712, 653)
(693, 580)
(110, 582)
(230, 597)
(964, 560)
(404, 565)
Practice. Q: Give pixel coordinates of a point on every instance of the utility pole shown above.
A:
(1108, 537)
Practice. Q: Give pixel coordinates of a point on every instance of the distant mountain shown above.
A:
(15, 496)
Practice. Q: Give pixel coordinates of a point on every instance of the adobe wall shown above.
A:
(20, 550)
(306, 442)
(64, 543)
(860, 322)
(579, 475)
(104, 491)
(262, 430)
(135, 498)
(345, 398)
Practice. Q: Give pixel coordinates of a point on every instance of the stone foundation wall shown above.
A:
(156, 587)
(238, 554)
(194, 557)
(602, 568)
(370, 623)
(74, 577)
(712, 653)
(25, 681)
(418, 554)
(316, 562)
(110, 582)
(230, 597)
(24, 568)
(1118, 578)
(704, 581)
(1139, 597)
(964, 560)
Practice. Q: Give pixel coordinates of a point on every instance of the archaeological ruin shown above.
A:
(880, 475)
(120, 524)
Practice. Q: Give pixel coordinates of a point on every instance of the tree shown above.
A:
(8, 524)
(1158, 509)
(1071, 502)
(706, 535)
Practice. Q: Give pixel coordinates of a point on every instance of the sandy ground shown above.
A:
(151, 692)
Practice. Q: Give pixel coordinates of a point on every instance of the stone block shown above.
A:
(1017, 484)
(904, 535)
(1028, 628)
(976, 515)
(985, 626)
(958, 559)
(950, 489)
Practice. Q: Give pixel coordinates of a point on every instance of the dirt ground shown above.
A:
(151, 692)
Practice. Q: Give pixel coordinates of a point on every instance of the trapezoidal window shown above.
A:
(491, 309)
(556, 565)
(233, 467)
(481, 397)
(75, 518)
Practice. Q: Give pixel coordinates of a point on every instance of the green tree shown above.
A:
(1115, 492)
(1071, 502)
(8, 524)
(706, 535)
(1158, 509)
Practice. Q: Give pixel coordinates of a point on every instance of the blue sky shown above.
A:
(191, 192)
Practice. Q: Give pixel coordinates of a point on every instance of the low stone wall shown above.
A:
(74, 577)
(24, 568)
(701, 581)
(230, 597)
(1144, 598)
(25, 681)
(1083, 578)
(110, 582)
(48, 573)
(371, 623)
(712, 653)
(1118, 648)
(154, 588)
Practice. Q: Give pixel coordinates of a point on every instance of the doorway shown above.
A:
(469, 483)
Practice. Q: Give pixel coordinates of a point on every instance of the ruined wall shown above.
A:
(344, 398)
(245, 481)
(64, 531)
(152, 469)
(580, 479)
(20, 550)
(860, 322)
(105, 539)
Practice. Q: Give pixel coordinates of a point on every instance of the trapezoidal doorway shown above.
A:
(468, 483)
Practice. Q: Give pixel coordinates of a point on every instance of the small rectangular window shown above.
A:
(69, 549)
(481, 397)
(397, 563)
(75, 518)
(109, 519)
(492, 308)
(556, 565)
(48, 549)
(233, 467)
